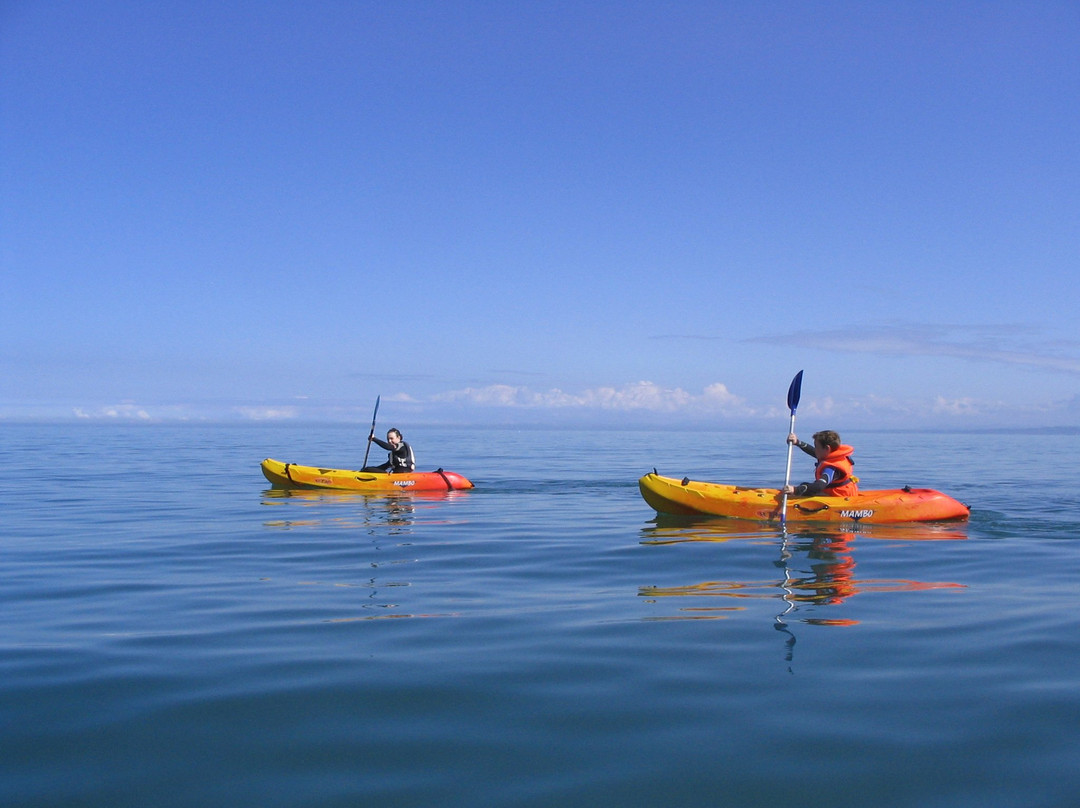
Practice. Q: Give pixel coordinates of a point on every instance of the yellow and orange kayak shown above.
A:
(291, 475)
(688, 498)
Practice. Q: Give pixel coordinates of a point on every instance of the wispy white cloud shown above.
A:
(126, 411)
(402, 398)
(963, 407)
(253, 413)
(638, 396)
(1003, 344)
(717, 399)
(930, 408)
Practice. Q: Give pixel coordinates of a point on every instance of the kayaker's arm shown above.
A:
(817, 487)
(814, 489)
(806, 447)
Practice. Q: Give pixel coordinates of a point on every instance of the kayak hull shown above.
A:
(291, 475)
(689, 498)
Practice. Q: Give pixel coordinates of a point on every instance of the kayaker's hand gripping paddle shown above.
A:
(793, 393)
(376, 415)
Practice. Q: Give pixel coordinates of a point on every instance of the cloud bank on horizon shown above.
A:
(638, 404)
(519, 403)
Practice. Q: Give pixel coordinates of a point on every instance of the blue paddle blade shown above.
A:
(794, 392)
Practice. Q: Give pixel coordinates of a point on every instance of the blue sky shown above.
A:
(554, 212)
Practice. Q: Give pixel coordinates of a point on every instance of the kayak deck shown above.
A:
(292, 475)
(689, 498)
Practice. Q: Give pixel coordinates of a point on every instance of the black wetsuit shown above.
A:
(401, 460)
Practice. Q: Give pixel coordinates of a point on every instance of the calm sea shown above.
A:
(174, 633)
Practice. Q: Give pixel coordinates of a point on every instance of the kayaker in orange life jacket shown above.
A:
(833, 473)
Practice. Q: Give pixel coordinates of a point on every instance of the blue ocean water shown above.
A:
(176, 633)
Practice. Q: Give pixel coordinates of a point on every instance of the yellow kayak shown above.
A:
(291, 475)
(688, 498)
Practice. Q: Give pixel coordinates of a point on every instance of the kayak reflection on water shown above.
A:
(818, 570)
(829, 579)
(390, 514)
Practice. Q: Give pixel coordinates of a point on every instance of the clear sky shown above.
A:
(554, 212)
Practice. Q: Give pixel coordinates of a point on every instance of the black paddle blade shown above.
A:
(794, 392)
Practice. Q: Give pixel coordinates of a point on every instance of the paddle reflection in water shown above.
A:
(817, 566)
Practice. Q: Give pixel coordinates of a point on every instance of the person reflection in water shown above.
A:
(832, 582)
(834, 570)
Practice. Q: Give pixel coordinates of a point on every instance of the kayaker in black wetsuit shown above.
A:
(400, 460)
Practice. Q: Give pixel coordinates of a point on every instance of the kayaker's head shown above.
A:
(393, 437)
(825, 442)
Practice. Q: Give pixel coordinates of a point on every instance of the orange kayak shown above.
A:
(291, 475)
(688, 498)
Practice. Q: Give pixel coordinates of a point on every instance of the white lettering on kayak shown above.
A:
(856, 514)
(405, 482)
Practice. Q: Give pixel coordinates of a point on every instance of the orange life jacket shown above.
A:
(843, 484)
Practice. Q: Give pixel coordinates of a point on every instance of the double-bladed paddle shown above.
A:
(793, 393)
(372, 433)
